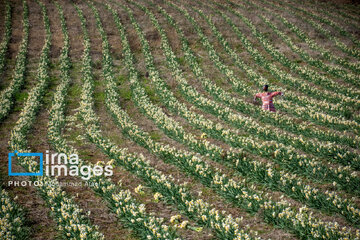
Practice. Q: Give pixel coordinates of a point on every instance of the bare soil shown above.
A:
(37, 213)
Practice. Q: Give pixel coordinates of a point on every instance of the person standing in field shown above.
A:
(266, 97)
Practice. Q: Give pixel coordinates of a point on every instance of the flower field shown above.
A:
(161, 92)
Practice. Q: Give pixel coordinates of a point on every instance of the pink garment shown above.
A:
(267, 103)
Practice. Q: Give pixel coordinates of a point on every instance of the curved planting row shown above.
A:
(333, 109)
(71, 221)
(202, 170)
(7, 35)
(7, 95)
(346, 12)
(355, 67)
(266, 132)
(342, 31)
(282, 121)
(340, 18)
(308, 145)
(338, 92)
(302, 164)
(296, 99)
(265, 154)
(341, 45)
(320, 79)
(305, 111)
(12, 219)
(121, 202)
(288, 183)
(327, 68)
(343, 12)
(197, 209)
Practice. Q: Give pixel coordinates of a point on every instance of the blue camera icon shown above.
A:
(16, 153)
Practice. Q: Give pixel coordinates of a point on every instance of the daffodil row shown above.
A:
(7, 95)
(283, 121)
(285, 155)
(225, 226)
(195, 208)
(187, 161)
(268, 132)
(71, 222)
(7, 35)
(320, 79)
(355, 67)
(293, 96)
(335, 71)
(347, 12)
(305, 222)
(306, 111)
(249, 71)
(318, 111)
(121, 202)
(306, 102)
(28, 114)
(338, 91)
(307, 74)
(341, 45)
(229, 188)
(171, 127)
(338, 16)
(325, 20)
(12, 218)
(56, 122)
(279, 180)
(56, 113)
(325, 53)
(341, 13)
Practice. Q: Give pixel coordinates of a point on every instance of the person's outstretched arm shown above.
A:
(273, 94)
